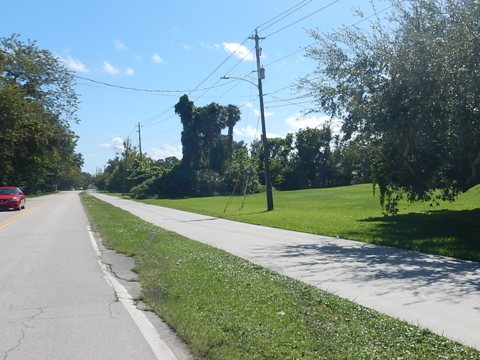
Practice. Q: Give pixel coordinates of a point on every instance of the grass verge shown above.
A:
(227, 308)
(353, 212)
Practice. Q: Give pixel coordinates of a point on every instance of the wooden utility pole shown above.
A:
(266, 152)
(140, 141)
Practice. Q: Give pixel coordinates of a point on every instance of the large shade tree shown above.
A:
(410, 85)
(37, 104)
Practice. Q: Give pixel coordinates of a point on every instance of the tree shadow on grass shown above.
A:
(443, 232)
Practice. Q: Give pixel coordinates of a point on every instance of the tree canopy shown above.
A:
(410, 86)
(37, 103)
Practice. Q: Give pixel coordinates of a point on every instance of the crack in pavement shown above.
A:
(25, 326)
(110, 268)
(115, 301)
(110, 310)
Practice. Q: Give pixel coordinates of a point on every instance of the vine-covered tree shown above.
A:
(206, 151)
(185, 109)
(233, 116)
(209, 120)
(411, 86)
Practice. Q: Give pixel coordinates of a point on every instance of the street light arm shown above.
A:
(238, 78)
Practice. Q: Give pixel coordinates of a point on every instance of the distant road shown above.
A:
(55, 302)
(436, 292)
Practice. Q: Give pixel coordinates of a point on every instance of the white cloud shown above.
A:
(166, 151)
(205, 45)
(298, 121)
(115, 144)
(157, 59)
(257, 111)
(119, 45)
(186, 46)
(247, 132)
(74, 64)
(110, 69)
(239, 51)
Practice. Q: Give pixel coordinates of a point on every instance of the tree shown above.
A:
(350, 161)
(209, 120)
(37, 103)
(313, 153)
(281, 155)
(412, 92)
(233, 116)
(206, 151)
(41, 76)
(190, 141)
(241, 174)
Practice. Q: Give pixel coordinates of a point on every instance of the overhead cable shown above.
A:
(283, 15)
(355, 24)
(167, 91)
(303, 18)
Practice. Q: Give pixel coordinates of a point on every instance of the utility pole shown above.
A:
(140, 141)
(266, 153)
(124, 172)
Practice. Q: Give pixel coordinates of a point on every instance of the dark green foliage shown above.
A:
(206, 152)
(178, 182)
(233, 116)
(281, 161)
(185, 109)
(313, 153)
(135, 174)
(312, 158)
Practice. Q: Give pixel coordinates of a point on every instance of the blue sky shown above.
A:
(177, 46)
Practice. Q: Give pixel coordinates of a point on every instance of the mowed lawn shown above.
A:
(354, 212)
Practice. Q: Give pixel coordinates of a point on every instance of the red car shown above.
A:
(11, 197)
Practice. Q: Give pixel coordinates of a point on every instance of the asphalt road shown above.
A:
(57, 298)
(439, 293)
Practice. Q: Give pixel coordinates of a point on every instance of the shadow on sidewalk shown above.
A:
(363, 262)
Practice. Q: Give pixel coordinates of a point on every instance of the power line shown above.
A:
(228, 72)
(283, 15)
(286, 100)
(355, 24)
(145, 90)
(300, 104)
(220, 65)
(303, 18)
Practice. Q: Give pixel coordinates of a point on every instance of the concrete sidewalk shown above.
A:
(439, 293)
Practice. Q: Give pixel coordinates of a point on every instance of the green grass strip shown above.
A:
(227, 308)
(353, 212)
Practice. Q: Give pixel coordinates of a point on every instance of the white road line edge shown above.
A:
(158, 346)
